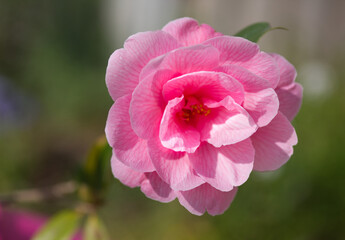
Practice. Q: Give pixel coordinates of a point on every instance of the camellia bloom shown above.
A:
(196, 111)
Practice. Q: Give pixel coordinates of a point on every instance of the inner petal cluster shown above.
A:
(192, 110)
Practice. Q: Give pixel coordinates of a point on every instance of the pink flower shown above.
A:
(196, 111)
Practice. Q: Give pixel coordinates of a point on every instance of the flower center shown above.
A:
(193, 109)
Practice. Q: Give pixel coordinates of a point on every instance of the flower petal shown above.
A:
(227, 123)
(153, 187)
(125, 174)
(225, 167)
(287, 70)
(213, 85)
(147, 104)
(175, 134)
(290, 99)
(274, 144)
(264, 66)
(262, 106)
(250, 81)
(173, 167)
(233, 49)
(128, 147)
(188, 31)
(185, 60)
(206, 198)
(125, 64)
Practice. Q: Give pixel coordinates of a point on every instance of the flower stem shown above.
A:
(39, 194)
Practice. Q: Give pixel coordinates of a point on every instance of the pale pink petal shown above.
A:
(227, 123)
(151, 67)
(287, 70)
(122, 74)
(127, 146)
(224, 167)
(184, 60)
(175, 134)
(213, 85)
(147, 104)
(153, 187)
(125, 64)
(264, 66)
(250, 81)
(234, 49)
(206, 198)
(125, 174)
(173, 167)
(274, 144)
(262, 106)
(290, 99)
(189, 32)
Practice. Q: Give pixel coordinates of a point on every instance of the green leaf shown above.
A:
(255, 31)
(95, 174)
(60, 227)
(94, 229)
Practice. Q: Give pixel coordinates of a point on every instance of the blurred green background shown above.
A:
(54, 104)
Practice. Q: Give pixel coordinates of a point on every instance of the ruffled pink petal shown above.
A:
(290, 99)
(153, 187)
(206, 198)
(225, 167)
(175, 134)
(262, 106)
(234, 49)
(127, 146)
(227, 123)
(188, 31)
(264, 66)
(125, 174)
(184, 60)
(250, 81)
(151, 67)
(287, 70)
(125, 64)
(173, 167)
(147, 104)
(274, 144)
(213, 85)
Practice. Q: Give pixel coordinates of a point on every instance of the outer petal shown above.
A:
(233, 49)
(273, 144)
(153, 187)
(189, 32)
(147, 105)
(125, 64)
(264, 66)
(125, 174)
(225, 167)
(287, 70)
(128, 147)
(262, 106)
(290, 99)
(206, 198)
(173, 167)
(210, 85)
(250, 81)
(175, 134)
(185, 60)
(227, 123)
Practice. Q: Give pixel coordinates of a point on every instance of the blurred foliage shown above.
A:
(94, 176)
(60, 227)
(55, 52)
